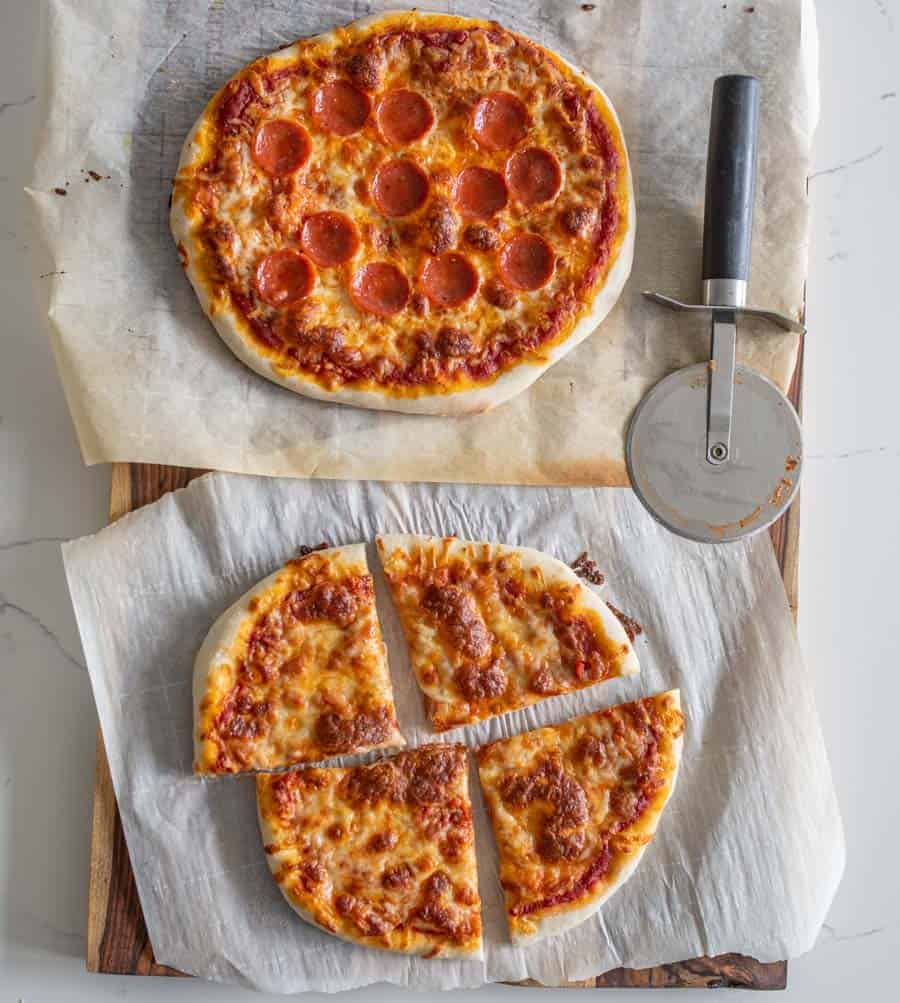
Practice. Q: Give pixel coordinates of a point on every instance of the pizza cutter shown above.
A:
(714, 451)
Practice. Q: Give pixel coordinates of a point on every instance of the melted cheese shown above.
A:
(493, 628)
(296, 671)
(238, 214)
(381, 855)
(574, 805)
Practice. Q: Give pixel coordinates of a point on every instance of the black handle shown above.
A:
(730, 178)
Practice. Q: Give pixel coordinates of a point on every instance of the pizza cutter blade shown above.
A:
(714, 451)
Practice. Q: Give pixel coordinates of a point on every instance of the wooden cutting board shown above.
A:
(117, 941)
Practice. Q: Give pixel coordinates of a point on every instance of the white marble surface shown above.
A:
(850, 547)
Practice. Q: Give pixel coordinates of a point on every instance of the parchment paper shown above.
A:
(749, 851)
(147, 378)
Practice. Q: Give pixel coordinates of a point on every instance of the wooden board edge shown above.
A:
(120, 494)
(108, 850)
(726, 971)
(103, 825)
(105, 814)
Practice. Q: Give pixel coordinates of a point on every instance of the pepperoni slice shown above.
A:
(329, 238)
(380, 288)
(399, 188)
(533, 175)
(284, 277)
(526, 262)
(449, 279)
(341, 108)
(499, 121)
(403, 117)
(281, 147)
(479, 193)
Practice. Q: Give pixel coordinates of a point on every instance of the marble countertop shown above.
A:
(850, 543)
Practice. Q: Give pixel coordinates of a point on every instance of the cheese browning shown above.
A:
(574, 806)
(493, 628)
(297, 671)
(382, 855)
(422, 135)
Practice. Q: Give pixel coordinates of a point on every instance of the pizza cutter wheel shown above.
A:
(714, 451)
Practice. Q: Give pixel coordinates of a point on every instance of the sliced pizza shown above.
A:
(414, 212)
(381, 855)
(295, 671)
(492, 628)
(574, 807)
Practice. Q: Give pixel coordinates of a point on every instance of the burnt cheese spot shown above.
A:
(481, 237)
(364, 69)
(338, 603)
(370, 784)
(498, 295)
(432, 772)
(400, 876)
(441, 226)
(382, 841)
(454, 343)
(576, 220)
(543, 682)
(458, 612)
(481, 682)
(561, 836)
(336, 733)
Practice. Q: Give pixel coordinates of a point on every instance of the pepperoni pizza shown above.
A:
(381, 855)
(295, 671)
(575, 805)
(416, 212)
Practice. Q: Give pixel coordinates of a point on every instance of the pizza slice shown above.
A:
(380, 855)
(295, 671)
(492, 628)
(575, 805)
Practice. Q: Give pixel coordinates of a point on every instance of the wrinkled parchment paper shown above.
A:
(749, 851)
(147, 378)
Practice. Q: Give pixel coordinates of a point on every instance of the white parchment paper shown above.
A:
(147, 378)
(749, 851)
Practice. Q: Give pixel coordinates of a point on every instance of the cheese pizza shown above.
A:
(295, 671)
(492, 628)
(415, 212)
(574, 806)
(381, 855)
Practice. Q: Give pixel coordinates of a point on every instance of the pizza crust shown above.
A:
(474, 401)
(556, 923)
(216, 650)
(270, 836)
